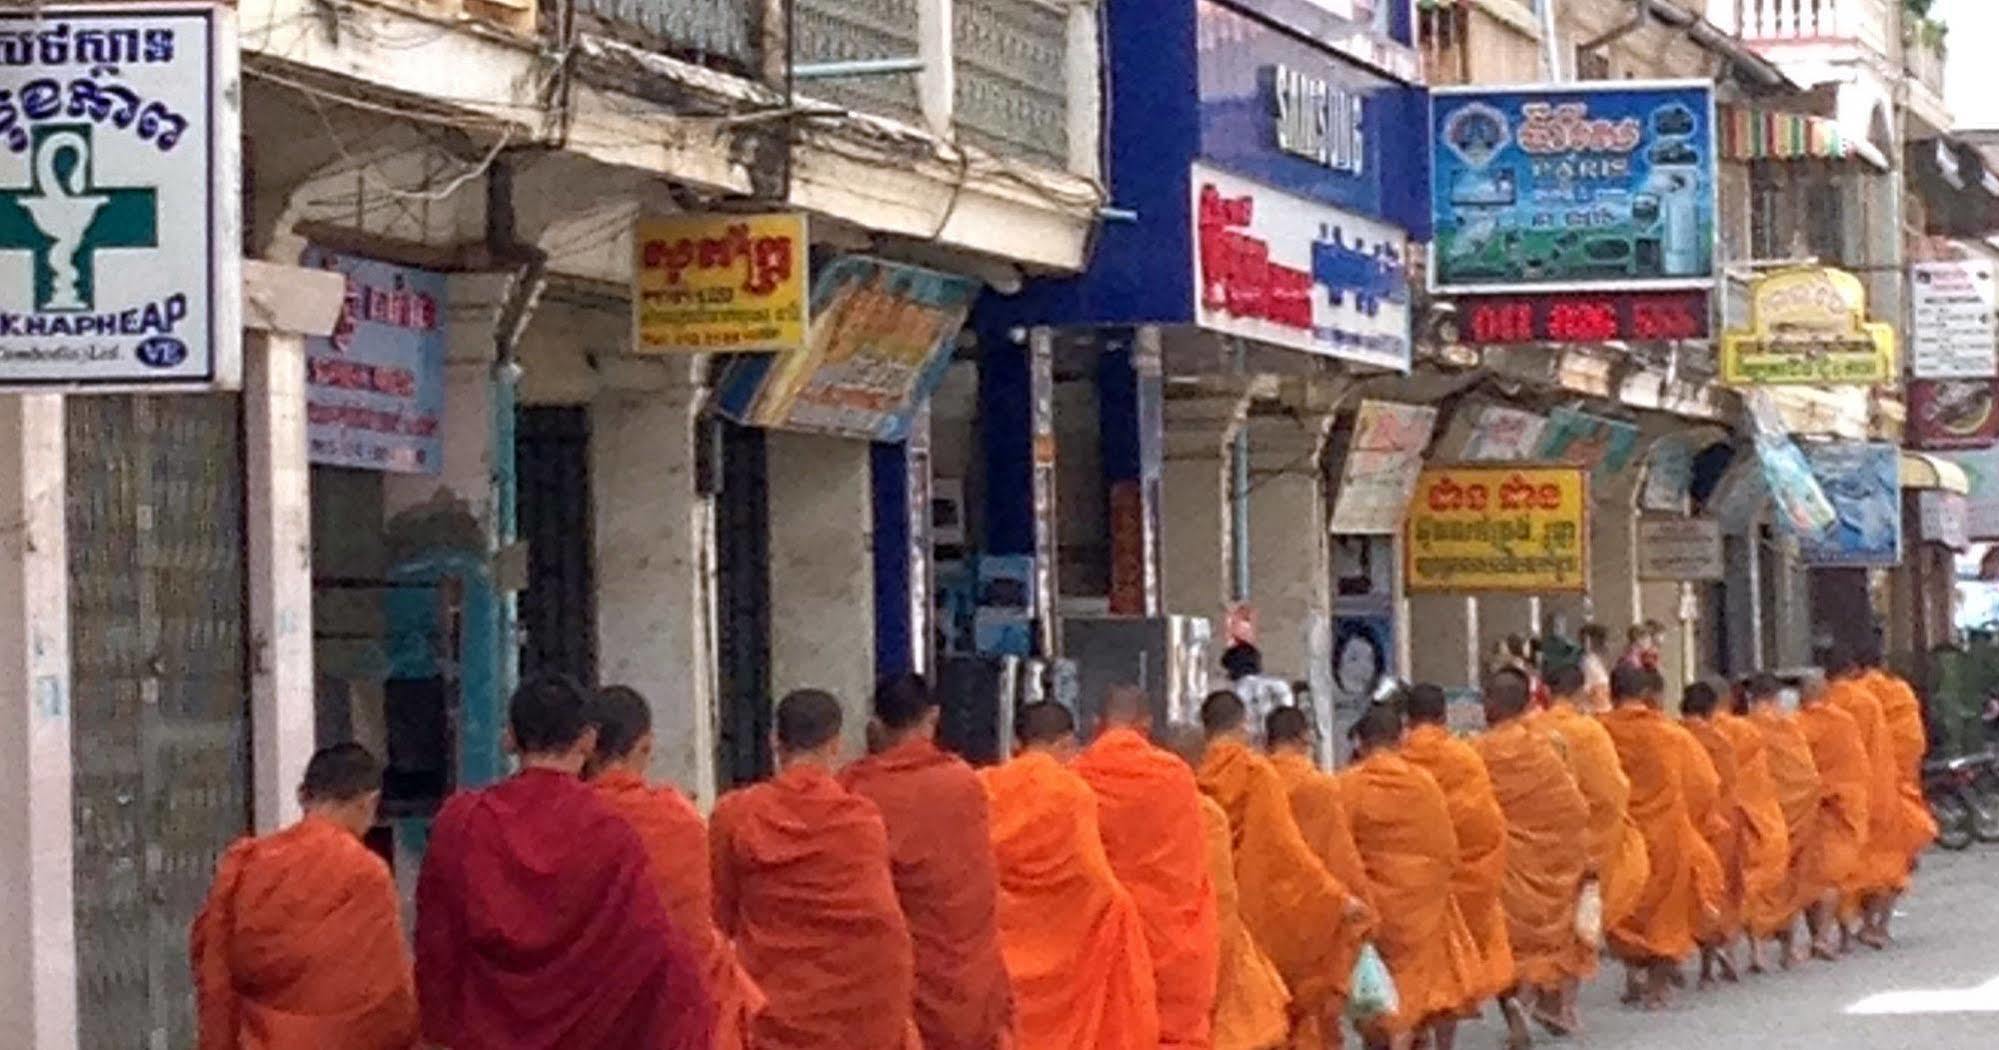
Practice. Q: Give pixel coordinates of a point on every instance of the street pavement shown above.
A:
(1937, 988)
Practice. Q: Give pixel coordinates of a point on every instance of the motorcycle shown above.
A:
(1951, 788)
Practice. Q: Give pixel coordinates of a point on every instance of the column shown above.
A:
(1289, 572)
(278, 528)
(1447, 651)
(1129, 398)
(1017, 435)
(822, 571)
(900, 474)
(1194, 503)
(37, 887)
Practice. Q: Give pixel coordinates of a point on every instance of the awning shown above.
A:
(1756, 134)
(1933, 472)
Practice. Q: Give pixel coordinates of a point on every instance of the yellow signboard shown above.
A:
(1498, 527)
(708, 283)
(1808, 326)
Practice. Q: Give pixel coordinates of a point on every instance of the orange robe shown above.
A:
(1883, 864)
(1295, 909)
(1800, 793)
(676, 843)
(1252, 1007)
(1616, 848)
(940, 851)
(1402, 824)
(1073, 940)
(1481, 833)
(1673, 908)
(1546, 856)
(1845, 777)
(1719, 817)
(1764, 843)
(1909, 739)
(300, 944)
(802, 882)
(1149, 809)
(1322, 818)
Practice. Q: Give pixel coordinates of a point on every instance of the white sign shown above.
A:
(1383, 458)
(1280, 269)
(1319, 121)
(1944, 517)
(1502, 434)
(120, 161)
(1680, 549)
(1956, 333)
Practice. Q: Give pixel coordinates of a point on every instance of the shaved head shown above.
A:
(1042, 724)
(1380, 727)
(1127, 705)
(1506, 696)
(1287, 726)
(1223, 712)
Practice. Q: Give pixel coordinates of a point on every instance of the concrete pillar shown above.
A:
(470, 460)
(1290, 578)
(1443, 639)
(652, 533)
(278, 529)
(1194, 521)
(822, 572)
(37, 883)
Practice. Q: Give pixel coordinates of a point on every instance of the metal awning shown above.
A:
(1749, 134)
(1920, 471)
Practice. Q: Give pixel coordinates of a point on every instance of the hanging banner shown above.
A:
(1383, 459)
(1503, 435)
(1981, 511)
(1602, 446)
(1573, 186)
(1863, 483)
(1680, 550)
(1492, 528)
(1955, 331)
(719, 283)
(1797, 501)
(880, 339)
(374, 389)
(1669, 473)
(1953, 413)
(1808, 325)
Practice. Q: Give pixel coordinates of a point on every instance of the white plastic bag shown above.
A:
(1589, 915)
(1372, 990)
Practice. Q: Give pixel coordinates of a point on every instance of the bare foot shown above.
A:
(1873, 939)
(1727, 962)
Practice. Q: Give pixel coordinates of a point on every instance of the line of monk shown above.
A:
(1162, 887)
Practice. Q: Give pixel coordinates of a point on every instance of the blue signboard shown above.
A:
(1571, 186)
(375, 387)
(1864, 484)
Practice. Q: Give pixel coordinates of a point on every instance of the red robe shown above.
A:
(539, 928)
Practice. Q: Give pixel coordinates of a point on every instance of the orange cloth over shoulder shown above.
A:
(1883, 864)
(801, 869)
(300, 944)
(1910, 741)
(1616, 847)
(1072, 938)
(1252, 1007)
(1655, 752)
(1481, 833)
(1402, 824)
(940, 851)
(1845, 777)
(1149, 810)
(1795, 773)
(1294, 908)
(1322, 818)
(1718, 816)
(676, 843)
(1546, 854)
(1764, 842)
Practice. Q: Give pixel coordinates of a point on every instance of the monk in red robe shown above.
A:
(803, 883)
(1712, 799)
(301, 941)
(539, 925)
(1846, 775)
(1149, 810)
(1908, 739)
(940, 850)
(676, 842)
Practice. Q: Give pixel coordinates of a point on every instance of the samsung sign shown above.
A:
(1319, 120)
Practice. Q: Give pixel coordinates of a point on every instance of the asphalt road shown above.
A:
(1937, 988)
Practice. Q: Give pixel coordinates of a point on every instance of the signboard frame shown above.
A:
(1828, 342)
(1416, 583)
(686, 264)
(1656, 541)
(1946, 325)
(384, 361)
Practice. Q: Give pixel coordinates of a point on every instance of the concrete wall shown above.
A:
(822, 572)
(1194, 518)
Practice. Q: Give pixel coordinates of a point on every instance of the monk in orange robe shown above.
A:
(1315, 798)
(1680, 895)
(803, 883)
(676, 843)
(301, 941)
(1149, 810)
(1846, 779)
(1547, 856)
(1763, 843)
(1481, 833)
(1884, 868)
(1402, 824)
(1309, 923)
(1909, 740)
(1719, 815)
(940, 849)
(1616, 847)
(1070, 933)
(1795, 774)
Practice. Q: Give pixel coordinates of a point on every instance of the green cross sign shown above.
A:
(64, 217)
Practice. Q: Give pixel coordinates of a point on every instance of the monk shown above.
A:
(1909, 740)
(1763, 843)
(1072, 938)
(1149, 811)
(1616, 848)
(301, 940)
(940, 853)
(1402, 825)
(1315, 798)
(1480, 829)
(1547, 855)
(802, 882)
(1884, 867)
(1309, 923)
(1795, 773)
(1719, 815)
(1846, 780)
(1678, 900)
(676, 843)
(539, 924)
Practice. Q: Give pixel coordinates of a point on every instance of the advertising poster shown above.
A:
(1981, 510)
(1943, 517)
(1808, 326)
(719, 283)
(1552, 187)
(1863, 482)
(1602, 446)
(1383, 458)
(1956, 330)
(1680, 549)
(1493, 528)
(1503, 435)
(374, 389)
(1669, 474)
(1953, 413)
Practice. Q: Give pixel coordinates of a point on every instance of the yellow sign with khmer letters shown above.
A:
(1498, 527)
(1808, 326)
(719, 283)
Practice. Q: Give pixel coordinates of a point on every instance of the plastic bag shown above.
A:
(1372, 993)
(1589, 915)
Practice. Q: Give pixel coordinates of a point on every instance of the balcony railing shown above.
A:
(1924, 52)
(720, 32)
(1872, 23)
(1012, 61)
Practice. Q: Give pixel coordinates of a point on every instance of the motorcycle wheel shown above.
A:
(1982, 814)
(1954, 831)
